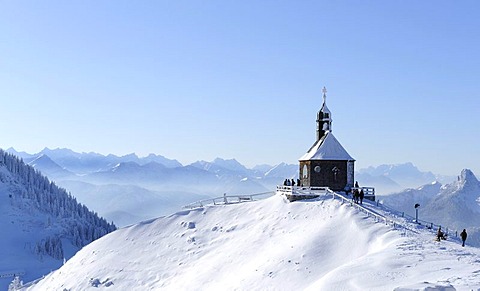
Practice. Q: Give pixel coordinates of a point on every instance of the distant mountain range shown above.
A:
(134, 189)
(393, 178)
(163, 185)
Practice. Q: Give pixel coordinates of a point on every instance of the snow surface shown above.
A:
(327, 148)
(21, 231)
(271, 244)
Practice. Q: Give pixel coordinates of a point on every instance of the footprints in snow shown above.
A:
(188, 225)
(97, 283)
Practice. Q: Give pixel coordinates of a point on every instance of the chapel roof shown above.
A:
(327, 148)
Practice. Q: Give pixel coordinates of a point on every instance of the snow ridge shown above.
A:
(271, 244)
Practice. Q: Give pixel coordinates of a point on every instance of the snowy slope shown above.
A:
(40, 223)
(271, 244)
(120, 203)
(20, 233)
(455, 205)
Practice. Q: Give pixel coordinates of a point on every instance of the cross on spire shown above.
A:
(324, 90)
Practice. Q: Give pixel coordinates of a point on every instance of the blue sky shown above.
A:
(196, 80)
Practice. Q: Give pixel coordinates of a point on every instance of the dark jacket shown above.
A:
(463, 235)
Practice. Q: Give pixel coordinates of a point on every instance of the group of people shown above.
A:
(291, 182)
(442, 236)
(357, 194)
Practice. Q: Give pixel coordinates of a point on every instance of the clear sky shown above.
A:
(196, 80)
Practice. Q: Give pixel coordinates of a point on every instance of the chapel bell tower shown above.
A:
(324, 117)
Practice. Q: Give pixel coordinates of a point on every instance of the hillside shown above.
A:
(271, 244)
(455, 205)
(41, 224)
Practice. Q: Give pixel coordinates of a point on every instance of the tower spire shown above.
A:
(324, 117)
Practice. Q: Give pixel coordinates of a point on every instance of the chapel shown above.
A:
(326, 163)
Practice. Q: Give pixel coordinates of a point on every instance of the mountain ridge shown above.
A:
(41, 222)
(205, 179)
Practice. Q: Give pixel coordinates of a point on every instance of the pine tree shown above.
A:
(34, 192)
(16, 284)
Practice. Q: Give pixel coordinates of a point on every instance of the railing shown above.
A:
(429, 225)
(6, 274)
(302, 191)
(299, 190)
(375, 215)
(230, 199)
(368, 192)
(317, 191)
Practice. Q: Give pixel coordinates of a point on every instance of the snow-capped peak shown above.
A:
(230, 164)
(466, 181)
(467, 177)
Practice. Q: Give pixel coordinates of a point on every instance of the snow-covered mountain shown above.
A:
(82, 163)
(89, 162)
(156, 179)
(319, 244)
(49, 167)
(156, 176)
(390, 178)
(161, 160)
(41, 224)
(455, 205)
(234, 166)
(234, 178)
(284, 170)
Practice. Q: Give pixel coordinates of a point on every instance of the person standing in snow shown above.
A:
(362, 195)
(463, 235)
(355, 196)
(440, 235)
